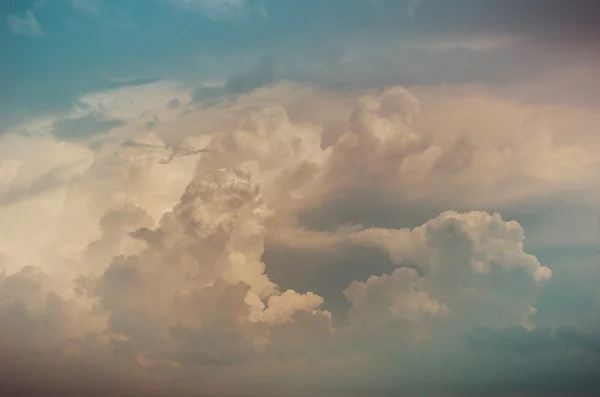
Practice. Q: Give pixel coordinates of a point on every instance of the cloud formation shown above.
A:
(113, 257)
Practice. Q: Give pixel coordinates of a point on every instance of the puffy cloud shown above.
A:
(485, 240)
(466, 262)
(115, 239)
(381, 136)
(198, 293)
(168, 256)
(395, 156)
(393, 298)
(36, 318)
(452, 274)
(287, 159)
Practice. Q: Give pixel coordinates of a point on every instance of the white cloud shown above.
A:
(25, 25)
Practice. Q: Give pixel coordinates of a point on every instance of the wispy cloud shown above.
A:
(25, 25)
(218, 9)
(413, 5)
(448, 43)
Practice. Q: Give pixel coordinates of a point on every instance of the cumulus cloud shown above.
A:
(198, 293)
(467, 261)
(409, 160)
(158, 267)
(392, 298)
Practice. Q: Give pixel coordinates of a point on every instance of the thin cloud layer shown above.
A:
(215, 9)
(25, 25)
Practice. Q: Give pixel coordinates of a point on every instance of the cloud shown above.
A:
(413, 5)
(237, 84)
(84, 127)
(32, 168)
(456, 265)
(394, 298)
(472, 256)
(122, 83)
(205, 253)
(397, 157)
(479, 43)
(25, 25)
(165, 270)
(174, 103)
(215, 9)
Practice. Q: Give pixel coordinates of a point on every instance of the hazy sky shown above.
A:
(300, 198)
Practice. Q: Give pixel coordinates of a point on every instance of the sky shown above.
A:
(300, 198)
